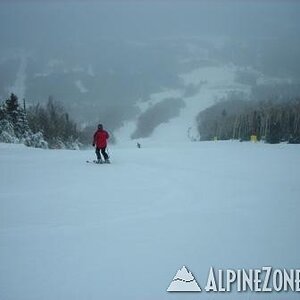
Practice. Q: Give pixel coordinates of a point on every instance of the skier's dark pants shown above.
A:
(103, 152)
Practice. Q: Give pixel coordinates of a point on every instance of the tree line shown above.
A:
(40, 126)
(272, 121)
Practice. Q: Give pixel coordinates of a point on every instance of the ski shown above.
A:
(91, 161)
(97, 163)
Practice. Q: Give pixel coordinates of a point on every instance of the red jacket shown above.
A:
(100, 138)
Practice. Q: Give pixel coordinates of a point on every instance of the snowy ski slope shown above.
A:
(71, 230)
(214, 83)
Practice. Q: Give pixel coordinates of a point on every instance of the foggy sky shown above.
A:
(135, 48)
(32, 23)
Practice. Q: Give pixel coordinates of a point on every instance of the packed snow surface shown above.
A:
(72, 230)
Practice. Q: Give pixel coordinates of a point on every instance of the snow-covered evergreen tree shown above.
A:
(35, 140)
(14, 126)
(43, 127)
(7, 134)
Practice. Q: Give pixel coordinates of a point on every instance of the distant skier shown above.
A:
(100, 141)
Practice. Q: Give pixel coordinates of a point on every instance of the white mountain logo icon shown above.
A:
(184, 281)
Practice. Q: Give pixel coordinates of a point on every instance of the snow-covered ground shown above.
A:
(72, 230)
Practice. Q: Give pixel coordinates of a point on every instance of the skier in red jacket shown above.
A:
(100, 141)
